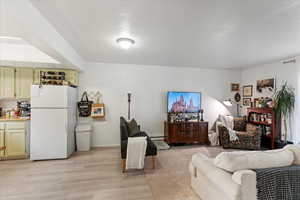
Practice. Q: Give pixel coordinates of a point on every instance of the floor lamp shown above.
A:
(129, 100)
(229, 103)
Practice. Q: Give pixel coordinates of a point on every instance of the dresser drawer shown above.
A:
(15, 125)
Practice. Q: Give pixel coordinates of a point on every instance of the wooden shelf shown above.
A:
(260, 123)
(273, 125)
(261, 110)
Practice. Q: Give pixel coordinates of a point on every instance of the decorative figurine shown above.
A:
(201, 112)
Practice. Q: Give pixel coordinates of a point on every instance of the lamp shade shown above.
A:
(227, 102)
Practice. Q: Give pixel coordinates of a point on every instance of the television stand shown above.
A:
(186, 132)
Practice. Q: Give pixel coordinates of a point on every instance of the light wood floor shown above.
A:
(97, 175)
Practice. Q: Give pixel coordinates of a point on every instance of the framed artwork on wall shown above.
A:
(265, 86)
(235, 87)
(237, 97)
(247, 102)
(247, 91)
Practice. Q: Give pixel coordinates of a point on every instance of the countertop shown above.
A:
(2, 119)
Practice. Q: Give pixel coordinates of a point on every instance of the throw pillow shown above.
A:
(124, 128)
(296, 150)
(133, 128)
(239, 124)
(251, 128)
(243, 160)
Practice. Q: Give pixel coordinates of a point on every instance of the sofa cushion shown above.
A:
(124, 128)
(251, 128)
(239, 124)
(296, 150)
(242, 160)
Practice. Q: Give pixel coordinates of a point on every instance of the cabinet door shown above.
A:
(24, 80)
(15, 142)
(36, 76)
(73, 77)
(7, 82)
(2, 144)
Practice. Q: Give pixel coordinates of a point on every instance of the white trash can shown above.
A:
(83, 137)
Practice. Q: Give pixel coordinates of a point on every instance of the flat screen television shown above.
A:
(184, 102)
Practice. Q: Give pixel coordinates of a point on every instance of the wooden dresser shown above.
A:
(186, 132)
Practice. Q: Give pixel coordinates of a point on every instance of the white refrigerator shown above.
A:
(53, 121)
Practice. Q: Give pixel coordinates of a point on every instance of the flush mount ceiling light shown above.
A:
(125, 43)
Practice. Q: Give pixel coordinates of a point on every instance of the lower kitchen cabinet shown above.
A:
(2, 143)
(15, 142)
(13, 137)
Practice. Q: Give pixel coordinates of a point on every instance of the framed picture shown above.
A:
(235, 87)
(248, 91)
(98, 110)
(247, 102)
(266, 86)
(237, 97)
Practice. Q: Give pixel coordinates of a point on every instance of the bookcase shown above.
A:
(266, 119)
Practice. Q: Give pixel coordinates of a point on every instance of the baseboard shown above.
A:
(106, 145)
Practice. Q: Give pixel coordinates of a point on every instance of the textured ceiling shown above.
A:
(194, 33)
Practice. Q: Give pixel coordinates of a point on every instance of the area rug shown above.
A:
(161, 145)
(171, 178)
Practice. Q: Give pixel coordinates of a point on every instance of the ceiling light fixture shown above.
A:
(125, 43)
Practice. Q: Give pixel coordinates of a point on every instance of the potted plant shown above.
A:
(284, 100)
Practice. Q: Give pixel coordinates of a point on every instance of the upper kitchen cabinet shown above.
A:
(45, 76)
(7, 82)
(16, 82)
(24, 80)
(72, 77)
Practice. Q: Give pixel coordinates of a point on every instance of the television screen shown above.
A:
(184, 102)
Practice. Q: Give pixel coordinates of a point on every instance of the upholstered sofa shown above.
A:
(125, 133)
(249, 136)
(229, 175)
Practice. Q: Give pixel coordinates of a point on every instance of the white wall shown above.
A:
(281, 72)
(24, 53)
(149, 85)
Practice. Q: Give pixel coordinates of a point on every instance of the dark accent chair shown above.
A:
(124, 133)
(249, 135)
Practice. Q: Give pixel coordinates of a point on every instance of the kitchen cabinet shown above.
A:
(7, 82)
(14, 137)
(24, 80)
(16, 82)
(72, 76)
(1, 143)
(15, 142)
